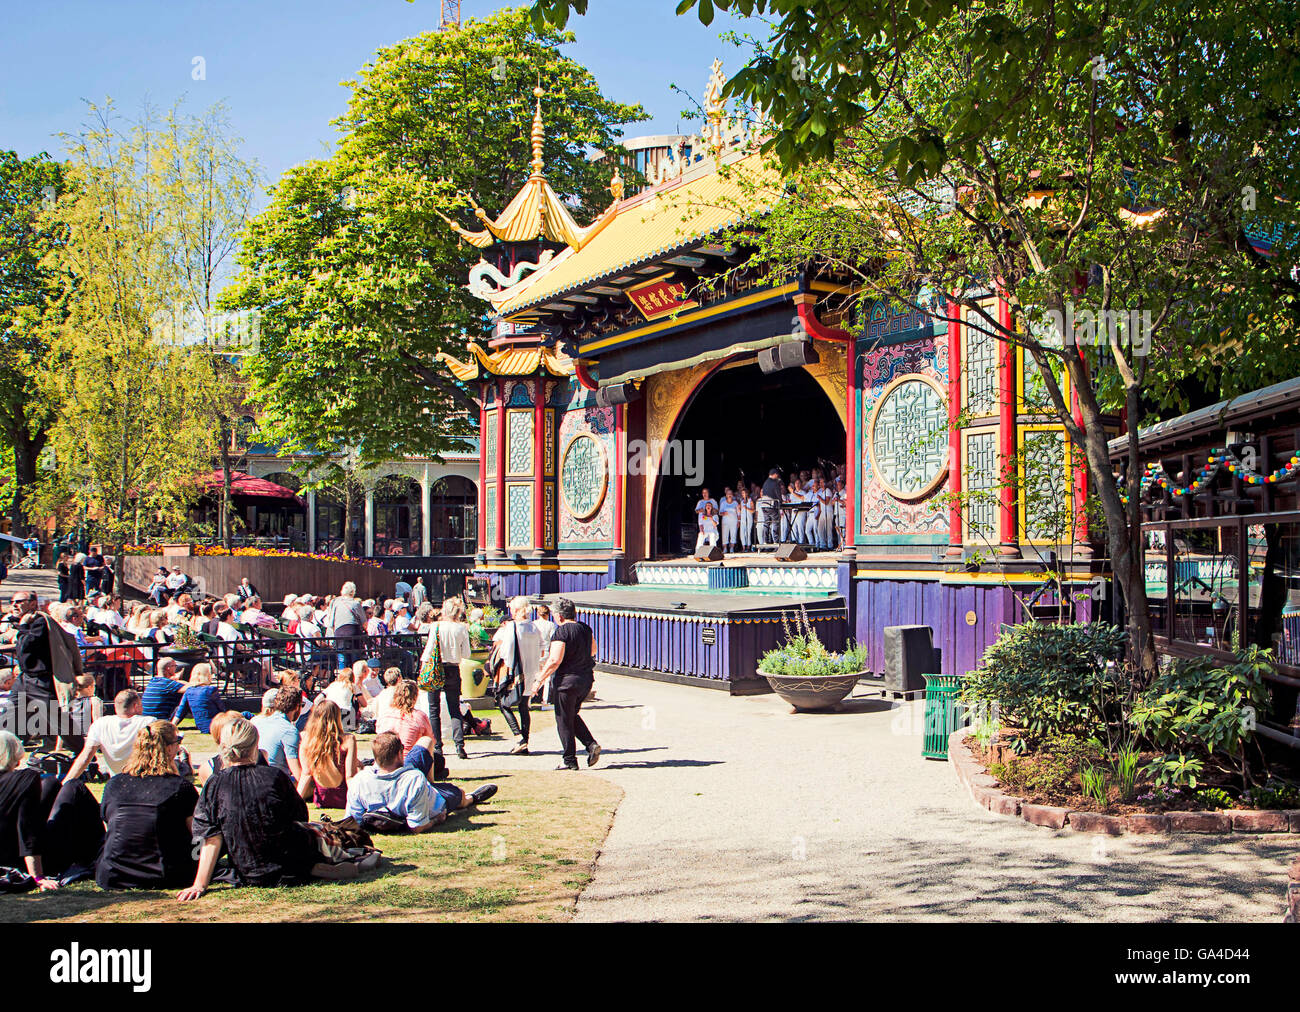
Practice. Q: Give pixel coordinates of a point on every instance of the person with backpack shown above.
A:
(514, 664)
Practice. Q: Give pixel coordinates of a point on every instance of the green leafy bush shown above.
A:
(1214, 797)
(1175, 770)
(1206, 705)
(1050, 679)
(1274, 794)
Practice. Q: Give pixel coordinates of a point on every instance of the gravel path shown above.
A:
(736, 809)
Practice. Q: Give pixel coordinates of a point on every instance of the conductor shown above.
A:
(770, 523)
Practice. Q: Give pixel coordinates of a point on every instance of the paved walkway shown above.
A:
(737, 809)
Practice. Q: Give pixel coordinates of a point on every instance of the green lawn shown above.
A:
(524, 856)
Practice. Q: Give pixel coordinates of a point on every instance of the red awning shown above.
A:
(246, 485)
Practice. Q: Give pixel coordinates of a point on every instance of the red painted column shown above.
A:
(1009, 528)
(502, 443)
(620, 475)
(482, 467)
(852, 458)
(539, 470)
(1079, 474)
(954, 433)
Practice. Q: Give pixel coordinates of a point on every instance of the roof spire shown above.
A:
(539, 133)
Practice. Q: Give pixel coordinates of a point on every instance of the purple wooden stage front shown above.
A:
(710, 639)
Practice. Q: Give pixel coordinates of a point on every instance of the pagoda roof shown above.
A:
(701, 202)
(506, 362)
(536, 212)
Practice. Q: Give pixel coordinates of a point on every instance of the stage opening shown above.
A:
(746, 422)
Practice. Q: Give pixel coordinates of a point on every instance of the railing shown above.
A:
(246, 667)
(294, 541)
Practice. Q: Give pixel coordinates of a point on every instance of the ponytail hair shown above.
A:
(149, 753)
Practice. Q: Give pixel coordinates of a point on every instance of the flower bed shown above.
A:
(251, 553)
(989, 793)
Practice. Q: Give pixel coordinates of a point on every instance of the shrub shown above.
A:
(1274, 794)
(1214, 797)
(1206, 705)
(1050, 679)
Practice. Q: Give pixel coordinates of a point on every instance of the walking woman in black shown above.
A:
(572, 665)
(77, 585)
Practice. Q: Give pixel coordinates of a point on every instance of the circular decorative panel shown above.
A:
(909, 437)
(584, 475)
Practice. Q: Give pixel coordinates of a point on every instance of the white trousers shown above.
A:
(706, 538)
(746, 528)
(730, 527)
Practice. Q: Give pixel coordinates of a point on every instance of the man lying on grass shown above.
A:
(395, 793)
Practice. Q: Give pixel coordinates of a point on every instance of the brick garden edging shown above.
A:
(988, 794)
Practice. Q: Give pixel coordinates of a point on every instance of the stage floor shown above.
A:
(696, 602)
(826, 558)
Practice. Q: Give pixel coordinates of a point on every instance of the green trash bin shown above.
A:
(941, 713)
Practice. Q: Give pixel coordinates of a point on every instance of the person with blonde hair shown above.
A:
(202, 700)
(149, 811)
(257, 815)
(403, 719)
(453, 640)
(328, 756)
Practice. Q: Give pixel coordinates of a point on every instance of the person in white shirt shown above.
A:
(705, 500)
(402, 618)
(747, 514)
(523, 634)
(112, 736)
(729, 512)
(708, 528)
(453, 640)
(176, 581)
(825, 515)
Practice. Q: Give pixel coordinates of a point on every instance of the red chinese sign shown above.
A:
(660, 297)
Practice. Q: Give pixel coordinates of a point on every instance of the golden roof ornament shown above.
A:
(616, 185)
(539, 133)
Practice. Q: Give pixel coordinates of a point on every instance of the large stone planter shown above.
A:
(813, 694)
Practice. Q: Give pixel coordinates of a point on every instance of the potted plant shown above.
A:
(482, 629)
(807, 675)
(186, 649)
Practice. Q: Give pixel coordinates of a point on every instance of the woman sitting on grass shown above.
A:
(255, 813)
(201, 700)
(328, 757)
(149, 811)
(403, 719)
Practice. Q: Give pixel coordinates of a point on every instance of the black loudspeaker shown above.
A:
(909, 654)
(617, 393)
(787, 356)
(714, 554)
(788, 551)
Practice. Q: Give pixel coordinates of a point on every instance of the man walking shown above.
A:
(572, 665)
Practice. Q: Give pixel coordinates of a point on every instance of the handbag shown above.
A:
(12, 880)
(431, 674)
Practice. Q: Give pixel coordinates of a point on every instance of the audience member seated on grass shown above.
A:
(382, 704)
(276, 733)
(45, 828)
(346, 694)
(398, 791)
(112, 737)
(368, 678)
(84, 709)
(328, 756)
(165, 690)
(255, 813)
(148, 810)
(403, 719)
(201, 700)
(214, 764)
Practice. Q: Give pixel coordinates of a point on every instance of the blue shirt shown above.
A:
(278, 739)
(161, 697)
(404, 794)
(203, 702)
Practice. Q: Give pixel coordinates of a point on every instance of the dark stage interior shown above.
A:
(747, 422)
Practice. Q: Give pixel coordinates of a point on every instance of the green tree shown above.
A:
(973, 150)
(125, 440)
(357, 278)
(28, 188)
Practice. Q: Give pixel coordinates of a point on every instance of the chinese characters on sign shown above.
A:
(660, 297)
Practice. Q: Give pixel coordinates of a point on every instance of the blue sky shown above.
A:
(277, 64)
